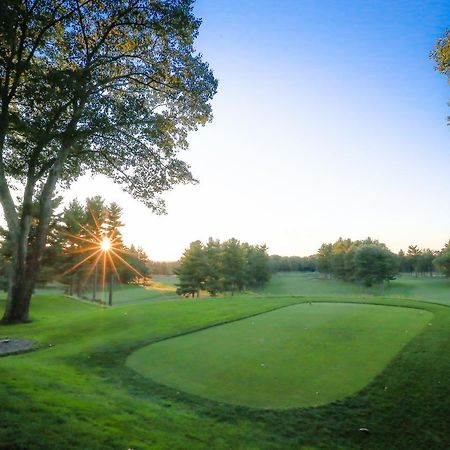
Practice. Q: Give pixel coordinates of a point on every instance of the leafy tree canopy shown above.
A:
(92, 86)
(441, 55)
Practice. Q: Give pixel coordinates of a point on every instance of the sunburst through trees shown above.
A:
(94, 249)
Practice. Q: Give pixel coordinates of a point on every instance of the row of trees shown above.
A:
(77, 238)
(368, 262)
(72, 254)
(442, 260)
(222, 267)
(163, 267)
(292, 263)
(417, 261)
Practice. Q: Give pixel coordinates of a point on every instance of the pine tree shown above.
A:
(234, 261)
(192, 270)
(257, 270)
(442, 261)
(214, 267)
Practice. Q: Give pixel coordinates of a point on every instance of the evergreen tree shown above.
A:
(404, 263)
(84, 227)
(233, 265)
(414, 254)
(340, 262)
(214, 270)
(74, 238)
(257, 272)
(192, 270)
(218, 267)
(442, 261)
(139, 272)
(374, 264)
(367, 261)
(113, 223)
(425, 263)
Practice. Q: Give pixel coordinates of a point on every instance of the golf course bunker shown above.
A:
(298, 356)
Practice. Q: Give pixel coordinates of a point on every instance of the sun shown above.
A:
(105, 244)
(101, 249)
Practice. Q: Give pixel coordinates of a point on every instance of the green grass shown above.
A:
(436, 289)
(168, 280)
(76, 392)
(308, 284)
(124, 294)
(301, 355)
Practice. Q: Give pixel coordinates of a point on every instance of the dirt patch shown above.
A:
(13, 346)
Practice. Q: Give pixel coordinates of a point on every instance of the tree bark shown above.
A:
(21, 287)
(27, 260)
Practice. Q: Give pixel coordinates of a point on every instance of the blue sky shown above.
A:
(329, 121)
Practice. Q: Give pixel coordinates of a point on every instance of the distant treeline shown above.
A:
(419, 261)
(222, 267)
(293, 263)
(163, 267)
(370, 262)
(73, 253)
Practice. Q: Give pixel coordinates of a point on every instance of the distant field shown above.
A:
(298, 283)
(302, 355)
(123, 293)
(436, 289)
(168, 280)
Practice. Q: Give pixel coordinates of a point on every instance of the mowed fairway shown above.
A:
(427, 289)
(76, 391)
(297, 356)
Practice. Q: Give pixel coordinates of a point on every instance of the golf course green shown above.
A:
(297, 356)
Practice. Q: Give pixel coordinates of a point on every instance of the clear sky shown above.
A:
(329, 121)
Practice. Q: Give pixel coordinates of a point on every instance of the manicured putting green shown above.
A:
(301, 355)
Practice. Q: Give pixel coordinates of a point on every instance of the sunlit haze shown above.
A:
(329, 121)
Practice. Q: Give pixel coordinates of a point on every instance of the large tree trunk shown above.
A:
(19, 302)
(24, 270)
(20, 290)
(27, 259)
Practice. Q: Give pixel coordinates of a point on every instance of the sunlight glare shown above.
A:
(105, 244)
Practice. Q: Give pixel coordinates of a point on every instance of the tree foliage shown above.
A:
(441, 55)
(417, 261)
(85, 85)
(82, 228)
(228, 266)
(374, 264)
(442, 261)
(368, 262)
(163, 267)
(293, 263)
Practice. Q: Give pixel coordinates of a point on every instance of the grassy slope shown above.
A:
(122, 293)
(75, 393)
(78, 393)
(435, 289)
(169, 280)
(302, 355)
